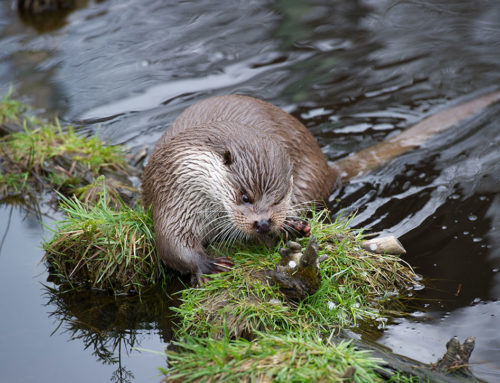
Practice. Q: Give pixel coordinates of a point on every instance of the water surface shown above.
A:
(354, 72)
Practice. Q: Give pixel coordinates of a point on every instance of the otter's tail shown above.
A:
(377, 155)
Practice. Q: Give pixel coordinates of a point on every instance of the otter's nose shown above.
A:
(263, 226)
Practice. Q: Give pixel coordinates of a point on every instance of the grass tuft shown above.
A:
(238, 328)
(10, 110)
(356, 286)
(104, 248)
(13, 183)
(276, 358)
(59, 158)
(46, 155)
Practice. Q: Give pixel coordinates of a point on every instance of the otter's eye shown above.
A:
(245, 198)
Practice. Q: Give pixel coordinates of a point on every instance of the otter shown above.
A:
(229, 168)
(235, 167)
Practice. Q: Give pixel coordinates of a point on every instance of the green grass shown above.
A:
(276, 358)
(238, 328)
(356, 286)
(403, 378)
(10, 110)
(43, 141)
(54, 157)
(13, 183)
(105, 248)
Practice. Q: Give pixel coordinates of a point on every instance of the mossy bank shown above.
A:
(38, 155)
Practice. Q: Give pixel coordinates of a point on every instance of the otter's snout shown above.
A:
(263, 226)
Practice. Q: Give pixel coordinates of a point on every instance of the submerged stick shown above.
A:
(375, 156)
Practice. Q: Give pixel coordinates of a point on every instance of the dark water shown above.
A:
(355, 72)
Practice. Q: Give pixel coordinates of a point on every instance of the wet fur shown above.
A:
(216, 151)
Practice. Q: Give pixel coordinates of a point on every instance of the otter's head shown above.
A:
(259, 171)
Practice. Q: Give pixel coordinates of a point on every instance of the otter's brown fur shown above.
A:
(226, 149)
(229, 167)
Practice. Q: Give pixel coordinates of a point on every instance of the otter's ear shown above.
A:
(222, 150)
(227, 157)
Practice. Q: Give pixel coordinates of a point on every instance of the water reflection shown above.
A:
(428, 338)
(6, 229)
(47, 15)
(110, 327)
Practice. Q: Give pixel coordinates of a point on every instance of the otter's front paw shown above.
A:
(222, 264)
(211, 266)
(297, 227)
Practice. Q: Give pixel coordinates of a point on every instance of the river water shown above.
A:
(355, 72)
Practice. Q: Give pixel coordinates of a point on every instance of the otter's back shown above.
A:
(313, 178)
